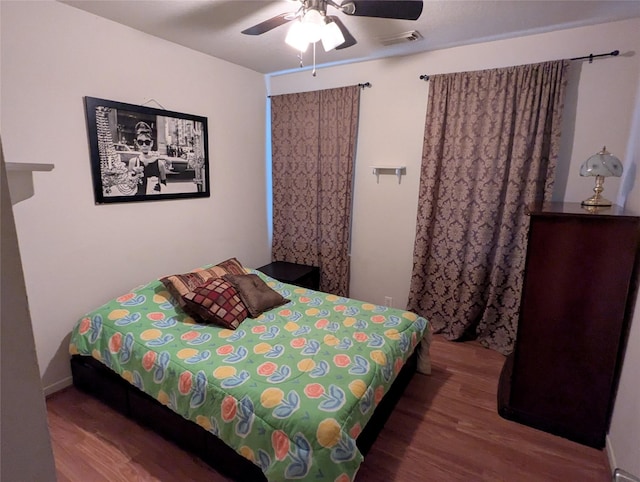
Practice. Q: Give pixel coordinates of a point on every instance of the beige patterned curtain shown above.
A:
(313, 136)
(490, 148)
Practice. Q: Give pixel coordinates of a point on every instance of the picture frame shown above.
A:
(141, 153)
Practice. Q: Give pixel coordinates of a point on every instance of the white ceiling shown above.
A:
(213, 26)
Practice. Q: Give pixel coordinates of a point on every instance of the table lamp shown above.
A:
(600, 165)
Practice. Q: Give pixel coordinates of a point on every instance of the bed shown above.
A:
(299, 392)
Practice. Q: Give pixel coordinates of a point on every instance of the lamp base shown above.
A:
(596, 200)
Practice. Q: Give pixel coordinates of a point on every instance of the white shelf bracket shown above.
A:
(399, 174)
(376, 172)
(397, 170)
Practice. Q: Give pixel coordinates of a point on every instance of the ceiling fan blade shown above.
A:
(269, 24)
(349, 41)
(400, 9)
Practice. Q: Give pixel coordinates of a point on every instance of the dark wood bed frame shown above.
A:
(93, 377)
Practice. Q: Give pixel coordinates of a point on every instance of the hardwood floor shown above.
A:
(445, 428)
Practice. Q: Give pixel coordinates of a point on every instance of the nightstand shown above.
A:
(292, 273)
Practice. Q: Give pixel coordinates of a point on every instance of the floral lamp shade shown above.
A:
(602, 164)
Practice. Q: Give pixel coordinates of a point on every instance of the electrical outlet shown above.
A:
(388, 301)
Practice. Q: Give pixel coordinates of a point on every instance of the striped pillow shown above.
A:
(181, 284)
(229, 266)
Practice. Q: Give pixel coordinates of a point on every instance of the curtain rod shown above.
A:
(590, 57)
(362, 86)
(615, 53)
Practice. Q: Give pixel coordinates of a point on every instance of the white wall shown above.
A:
(78, 255)
(598, 112)
(624, 433)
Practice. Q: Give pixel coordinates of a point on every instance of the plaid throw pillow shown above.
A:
(216, 301)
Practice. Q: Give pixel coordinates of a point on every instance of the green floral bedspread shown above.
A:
(289, 390)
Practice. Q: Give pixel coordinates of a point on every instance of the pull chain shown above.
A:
(314, 59)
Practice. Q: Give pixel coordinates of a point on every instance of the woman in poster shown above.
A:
(147, 164)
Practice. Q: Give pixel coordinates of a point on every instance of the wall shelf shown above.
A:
(20, 178)
(28, 166)
(396, 170)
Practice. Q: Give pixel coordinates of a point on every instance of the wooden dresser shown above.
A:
(578, 284)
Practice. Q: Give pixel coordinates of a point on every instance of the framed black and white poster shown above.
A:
(140, 153)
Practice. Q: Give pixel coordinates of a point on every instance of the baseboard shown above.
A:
(56, 387)
(620, 475)
(610, 454)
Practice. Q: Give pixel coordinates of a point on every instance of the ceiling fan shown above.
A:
(313, 23)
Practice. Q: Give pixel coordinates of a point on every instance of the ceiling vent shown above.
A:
(400, 38)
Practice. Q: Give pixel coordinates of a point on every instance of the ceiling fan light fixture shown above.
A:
(313, 23)
(331, 36)
(296, 37)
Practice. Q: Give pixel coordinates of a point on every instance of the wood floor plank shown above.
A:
(445, 428)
